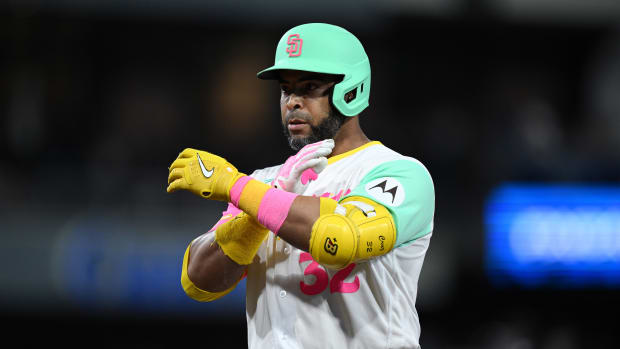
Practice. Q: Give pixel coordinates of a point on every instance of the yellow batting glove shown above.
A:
(204, 174)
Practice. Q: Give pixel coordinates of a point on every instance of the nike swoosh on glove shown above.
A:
(203, 174)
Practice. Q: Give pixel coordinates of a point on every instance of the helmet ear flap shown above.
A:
(351, 98)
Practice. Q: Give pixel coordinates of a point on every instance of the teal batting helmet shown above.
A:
(328, 49)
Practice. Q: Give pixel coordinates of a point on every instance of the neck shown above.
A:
(349, 137)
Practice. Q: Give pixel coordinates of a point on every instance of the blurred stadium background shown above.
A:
(513, 105)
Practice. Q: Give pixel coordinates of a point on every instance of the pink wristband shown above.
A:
(237, 189)
(274, 208)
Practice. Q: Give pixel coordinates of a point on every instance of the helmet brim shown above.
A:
(272, 73)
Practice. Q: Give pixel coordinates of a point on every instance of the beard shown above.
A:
(326, 129)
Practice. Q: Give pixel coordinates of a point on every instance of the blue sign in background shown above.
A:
(105, 264)
(558, 236)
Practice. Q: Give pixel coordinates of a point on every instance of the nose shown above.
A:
(294, 102)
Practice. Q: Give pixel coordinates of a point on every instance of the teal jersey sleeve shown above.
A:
(406, 189)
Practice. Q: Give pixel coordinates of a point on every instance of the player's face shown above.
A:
(307, 116)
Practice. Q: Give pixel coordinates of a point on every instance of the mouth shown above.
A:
(296, 125)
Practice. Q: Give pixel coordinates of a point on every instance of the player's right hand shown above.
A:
(302, 168)
(203, 174)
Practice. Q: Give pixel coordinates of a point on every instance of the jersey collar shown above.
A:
(333, 159)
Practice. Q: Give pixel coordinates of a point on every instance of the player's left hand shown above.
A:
(302, 168)
(203, 174)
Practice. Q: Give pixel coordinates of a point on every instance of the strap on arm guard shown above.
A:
(193, 291)
(355, 230)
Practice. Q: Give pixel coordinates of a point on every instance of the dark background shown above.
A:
(97, 98)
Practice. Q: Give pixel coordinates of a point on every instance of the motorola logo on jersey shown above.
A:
(386, 190)
(294, 43)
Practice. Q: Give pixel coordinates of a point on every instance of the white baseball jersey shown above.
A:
(293, 302)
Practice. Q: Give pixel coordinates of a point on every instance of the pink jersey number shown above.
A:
(337, 283)
(313, 269)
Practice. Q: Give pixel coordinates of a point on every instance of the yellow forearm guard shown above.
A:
(240, 238)
(366, 231)
(193, 291)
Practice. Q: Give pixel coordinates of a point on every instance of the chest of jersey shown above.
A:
(294, 302)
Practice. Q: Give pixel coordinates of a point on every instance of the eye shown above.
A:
(309, 87)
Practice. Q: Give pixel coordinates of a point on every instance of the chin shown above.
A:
(298, 136)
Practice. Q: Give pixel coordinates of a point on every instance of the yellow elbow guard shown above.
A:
(193, 291)
(367, 230)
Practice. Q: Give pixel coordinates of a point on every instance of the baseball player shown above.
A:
(331, 242)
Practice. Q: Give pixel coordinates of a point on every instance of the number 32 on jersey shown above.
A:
(336, 284)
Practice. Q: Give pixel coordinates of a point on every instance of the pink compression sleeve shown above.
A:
(274, 208)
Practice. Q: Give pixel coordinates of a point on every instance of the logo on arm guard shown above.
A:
(294, 48)
(331, 247)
